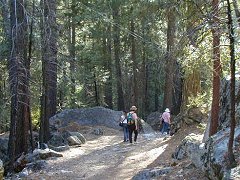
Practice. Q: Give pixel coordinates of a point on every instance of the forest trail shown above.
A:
(108, 157)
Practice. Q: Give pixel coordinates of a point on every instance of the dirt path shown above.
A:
(107, 157)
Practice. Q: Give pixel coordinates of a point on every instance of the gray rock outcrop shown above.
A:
(189, 148)
(211, 156)
(232, 174)
(87, 116)
(61, 141)
(152, 173)
(153, 120)
(225, 107)
(215, 158)
(3, 149)
(73, 140)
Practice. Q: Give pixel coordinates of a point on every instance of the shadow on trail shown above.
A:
(111, 158)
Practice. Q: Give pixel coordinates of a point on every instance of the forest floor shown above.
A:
(108, 157)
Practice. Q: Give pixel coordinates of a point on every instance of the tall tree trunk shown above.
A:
(96, 90)
(177, 90)
(116, 41)
(73, 53)
(18, 67)
(232, 161)
(134, 60)
(144, 69)
(144, 87)
(170, 59)
(108, 55)
(216, 69)
(29, 61)
(49, 64)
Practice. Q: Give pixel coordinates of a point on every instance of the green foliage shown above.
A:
(4, 117)
(201, 100)
(35, 113)
(4, 99)
(202, 126)
(92, 20)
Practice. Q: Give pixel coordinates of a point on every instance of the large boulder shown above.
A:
(57, 140)
(153, 120)
(232, 173)
(211, 156)
(192, 116)
(225, 103)
(215, 159)
(225, 107)
(62, 140)
(87, 116)
(155, 173)
(73, 140)
(189, 147)
(67, 134)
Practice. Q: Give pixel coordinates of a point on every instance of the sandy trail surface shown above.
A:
(107, 157)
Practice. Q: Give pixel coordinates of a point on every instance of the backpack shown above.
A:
(130, 119)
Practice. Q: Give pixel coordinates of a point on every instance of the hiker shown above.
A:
(132, 123)
(125, 126)
(166, 121)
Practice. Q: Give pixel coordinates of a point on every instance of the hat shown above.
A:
(167, 110)
(133, 108)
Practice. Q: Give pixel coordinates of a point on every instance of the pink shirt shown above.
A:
(166, 117)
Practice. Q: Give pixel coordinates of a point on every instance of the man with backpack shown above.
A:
(132, 123)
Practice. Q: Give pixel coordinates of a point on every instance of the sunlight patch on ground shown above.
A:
(148, 156)
(142, 160)
(87, 148)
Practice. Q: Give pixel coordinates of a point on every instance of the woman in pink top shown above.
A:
(166, 121)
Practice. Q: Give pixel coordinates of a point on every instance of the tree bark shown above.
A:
(231, 158)
(49, 67)
(72, 54)
(216, 69)
(108, 55)
(116, 41)
(19, 67)
(134, 60)
(96, 91)
(144, 69)
(170, 59)
(177, 90)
